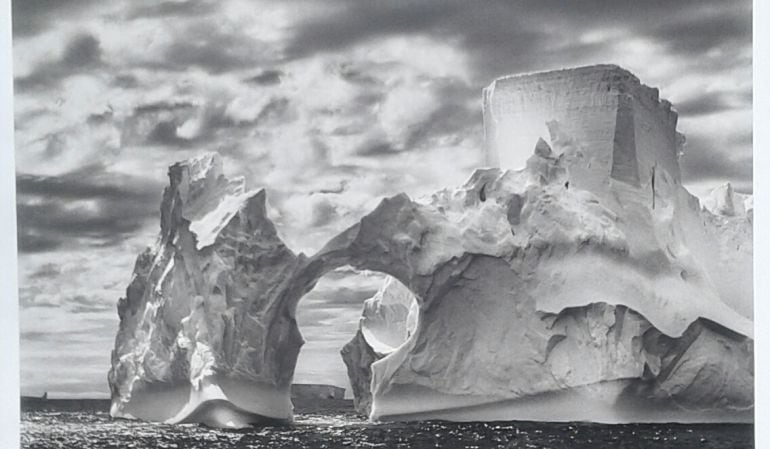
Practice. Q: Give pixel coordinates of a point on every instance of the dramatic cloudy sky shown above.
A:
(329, 104)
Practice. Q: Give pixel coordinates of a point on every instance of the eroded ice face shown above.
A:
(389, 317)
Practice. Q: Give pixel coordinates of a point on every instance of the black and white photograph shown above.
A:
(384, 224)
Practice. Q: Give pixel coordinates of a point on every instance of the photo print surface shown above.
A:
(310, 220)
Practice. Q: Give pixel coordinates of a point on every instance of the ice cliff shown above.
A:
(580, 283)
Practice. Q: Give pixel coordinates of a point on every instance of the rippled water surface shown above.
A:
(345, 430)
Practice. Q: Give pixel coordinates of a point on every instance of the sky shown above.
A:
(329, 105)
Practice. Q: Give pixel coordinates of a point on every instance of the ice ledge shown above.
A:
(603, 402)
(219, 401)
(588, 69)
(602, 77)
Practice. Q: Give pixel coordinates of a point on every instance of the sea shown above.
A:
(342, 428)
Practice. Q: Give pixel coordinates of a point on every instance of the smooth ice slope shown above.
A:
(585, 285)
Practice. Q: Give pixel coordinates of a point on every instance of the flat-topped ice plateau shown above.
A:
(580, 281)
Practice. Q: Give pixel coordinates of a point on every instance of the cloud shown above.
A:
(214, 49)
(82, 50)
(30, 297)
(173, 9)
(704, 27)
(86, 304)
(266, 78)
(89, 205)
(495, 34)
(165, 133)
(351, 22)
(507, 37)
(49, 270)
(703, 105)
(29, 241)
(101, 224)
(90, 182)
(125, 81)
(31, 17)
(714, 102)
(162, 106)
(81, 55)
(73, 304)
(702, 160)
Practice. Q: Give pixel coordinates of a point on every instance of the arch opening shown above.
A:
(349, 320)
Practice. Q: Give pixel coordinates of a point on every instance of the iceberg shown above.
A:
(583, 282)
(202, 326)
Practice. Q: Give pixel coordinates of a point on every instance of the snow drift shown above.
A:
(587, 284)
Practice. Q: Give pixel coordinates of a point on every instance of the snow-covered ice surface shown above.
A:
(588, 284)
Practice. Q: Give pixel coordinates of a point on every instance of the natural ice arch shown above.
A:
(208, 327)
(328, 322)
(328, 317)
(371, 307)
(399, 238)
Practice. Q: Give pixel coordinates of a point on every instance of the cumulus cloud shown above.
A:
(81, 54)
(49, 270)
(505, 37)
(205, 46)
(85, 207)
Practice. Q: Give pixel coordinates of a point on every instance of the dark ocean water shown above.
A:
(337, 429)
